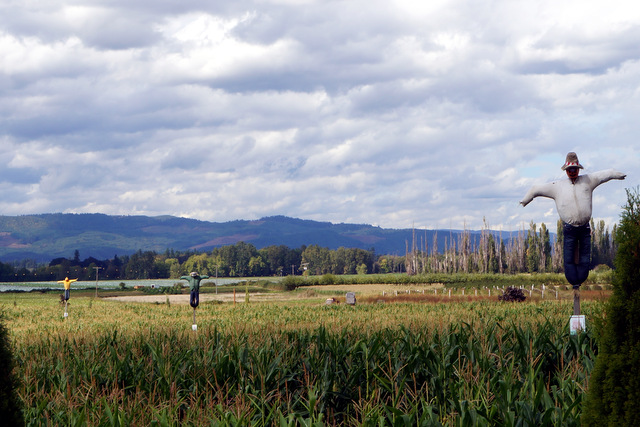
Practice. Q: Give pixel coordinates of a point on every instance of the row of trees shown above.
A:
(529, 250)
(238, 260)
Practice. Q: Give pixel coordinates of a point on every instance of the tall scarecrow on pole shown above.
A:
(194, 285)
(573, 197)
(67, 291)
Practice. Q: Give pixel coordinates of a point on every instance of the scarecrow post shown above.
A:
(576, 290)
(573, 197)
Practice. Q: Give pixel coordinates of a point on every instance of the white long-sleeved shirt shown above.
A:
(573, 200)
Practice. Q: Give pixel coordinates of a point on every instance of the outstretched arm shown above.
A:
(601, 177)
(543, 190)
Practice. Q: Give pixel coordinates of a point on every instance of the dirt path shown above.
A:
(184, 299)
(303, 293)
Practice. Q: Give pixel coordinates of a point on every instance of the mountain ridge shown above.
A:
(43, 237)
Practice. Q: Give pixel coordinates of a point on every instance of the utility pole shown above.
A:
(97, 269)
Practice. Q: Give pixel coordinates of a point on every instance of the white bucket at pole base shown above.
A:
(577, 323)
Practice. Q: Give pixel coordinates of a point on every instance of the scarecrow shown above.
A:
(194, 299)
(573, 197)
(67, 292)
(194, 285)
(67, 287)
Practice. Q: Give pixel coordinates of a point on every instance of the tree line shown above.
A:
(530, 250)
(238, 260)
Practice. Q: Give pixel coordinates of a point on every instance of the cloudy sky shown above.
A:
(431, 114)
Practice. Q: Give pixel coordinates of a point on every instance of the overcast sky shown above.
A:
(431, 114)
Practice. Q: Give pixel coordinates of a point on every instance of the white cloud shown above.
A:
(433, 114)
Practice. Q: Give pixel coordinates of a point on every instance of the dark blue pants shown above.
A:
(580, 238)
(67, 294)
(194, 299)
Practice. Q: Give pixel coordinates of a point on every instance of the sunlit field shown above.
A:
(419, 356)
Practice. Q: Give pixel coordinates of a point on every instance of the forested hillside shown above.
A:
(48, 236)
(530, 251)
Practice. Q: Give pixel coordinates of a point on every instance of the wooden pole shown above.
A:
(576, 292)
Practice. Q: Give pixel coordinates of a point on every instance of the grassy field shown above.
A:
(412, 359)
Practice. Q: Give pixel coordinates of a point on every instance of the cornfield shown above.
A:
(300, 363)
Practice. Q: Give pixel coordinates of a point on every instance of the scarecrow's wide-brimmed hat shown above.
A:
(572, 161)
(194, 274)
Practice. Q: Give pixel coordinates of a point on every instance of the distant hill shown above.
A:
(47, 236)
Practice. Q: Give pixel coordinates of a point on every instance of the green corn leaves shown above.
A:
(301, 364)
